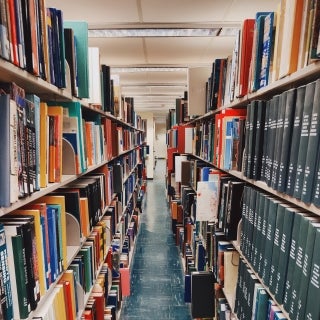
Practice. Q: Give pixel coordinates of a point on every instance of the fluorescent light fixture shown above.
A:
(147, 69)
(154, 32)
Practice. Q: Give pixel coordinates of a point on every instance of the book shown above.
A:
(6, 304)
(311, 156)
(9, 192)
(80, 31)
(312, 308)
(307, 118)
(296, 132)
(286, 140)
(202, 294)
(267, 50)
(247, 31)
(291, 31)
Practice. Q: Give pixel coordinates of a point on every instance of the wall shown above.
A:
(160, 146)
(150, 141)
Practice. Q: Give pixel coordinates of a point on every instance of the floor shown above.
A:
(157, 281)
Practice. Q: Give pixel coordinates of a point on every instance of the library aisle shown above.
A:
(157, 281)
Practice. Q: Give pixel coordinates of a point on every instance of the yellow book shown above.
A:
(43, 145)
(59, 302)
(56, 199)
(39, 245)
(84, 217)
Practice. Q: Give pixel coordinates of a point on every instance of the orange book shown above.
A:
(43, 145)
(34, 36)
(84, 216)
(89, 143)
(55, 143)
(246, 44)
(68, 281)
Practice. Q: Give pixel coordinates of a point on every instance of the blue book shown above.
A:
(267, 49)
(52, 231)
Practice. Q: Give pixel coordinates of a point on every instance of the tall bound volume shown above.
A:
(202, 294)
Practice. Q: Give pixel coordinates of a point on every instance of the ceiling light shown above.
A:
(154, 32)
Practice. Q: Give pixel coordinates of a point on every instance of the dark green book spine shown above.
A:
(276, 248)
(246, 140)
(252, 205)
(271, 226)
(265, 141)
(252, 138)
(288, 220)
(21, 278)
(245, 210)
(290, 304)
(312, 311)
(313, 143)
(258, 147)
(296, 131)
(258, 229)
(304, 138)
(265, 214)
(278, 139)
(274, 109)
(305, 272)
(286, 140)
(254, 231)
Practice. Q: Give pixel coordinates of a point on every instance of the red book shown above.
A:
(13, 33)
(245, 55)
(100, 303)
(170, 158)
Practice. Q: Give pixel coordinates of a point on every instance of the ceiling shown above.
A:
(156, 89)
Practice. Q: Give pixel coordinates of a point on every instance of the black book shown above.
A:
(278, 139)
(233, 214)
(202, 294)
(117, 178)
(70, 55)
(245, 162)
(313, 145)
(295, 140)
(106, 88)
(286, 139)
(259, 135)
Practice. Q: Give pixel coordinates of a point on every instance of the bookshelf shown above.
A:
(212, 159)
(82, 249)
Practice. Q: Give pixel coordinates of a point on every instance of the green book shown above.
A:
(261, 304)
(304, 273)
(21, 280)
(276, 247)
(312, 307)
(85, 251)
(271, 226)
(304, 138)
(298, 242)
(313, 143)
(289, 216)
(80, 30)
(295, 139)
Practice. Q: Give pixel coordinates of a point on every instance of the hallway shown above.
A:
(157, 281)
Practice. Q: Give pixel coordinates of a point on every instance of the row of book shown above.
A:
(252, 300)
(44, 140)
(282, 140)
(35, 242)
(280, 241)
(260, 56)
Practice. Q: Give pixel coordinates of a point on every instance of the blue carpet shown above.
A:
(157, 280)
